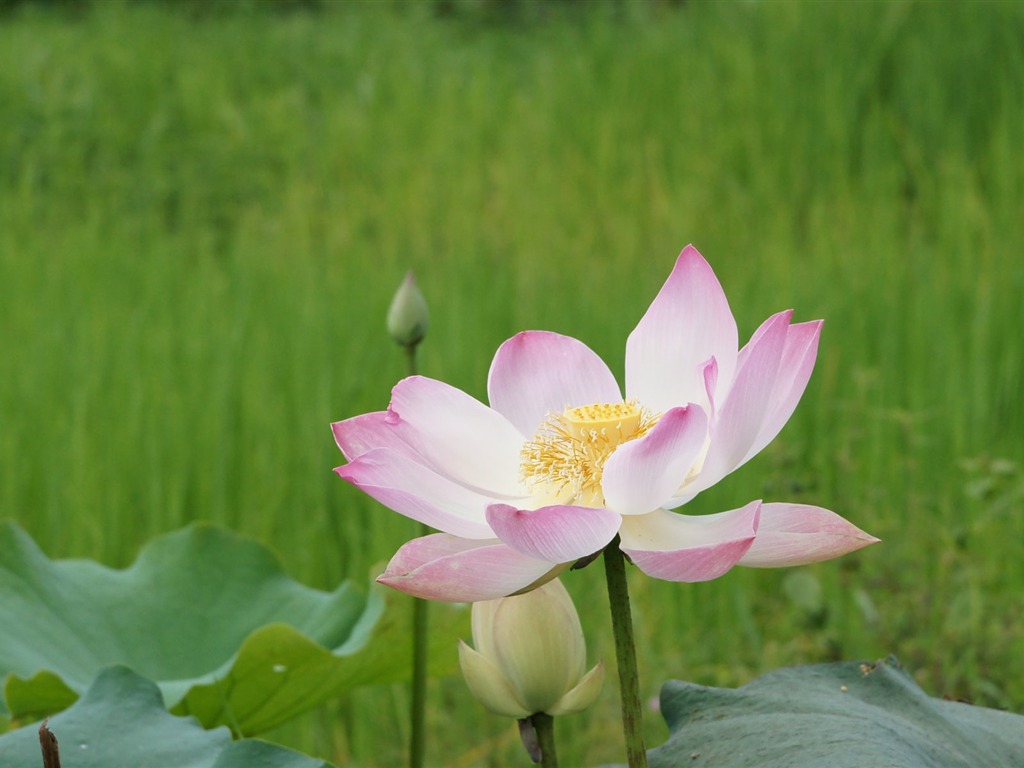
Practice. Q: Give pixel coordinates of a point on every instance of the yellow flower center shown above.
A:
(565, 460)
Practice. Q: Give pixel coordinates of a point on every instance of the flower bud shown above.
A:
(407, 316)
(530, 655)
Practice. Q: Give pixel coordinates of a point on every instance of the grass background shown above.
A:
(204, 212)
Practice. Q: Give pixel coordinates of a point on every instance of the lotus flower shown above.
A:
(561, 463)
(530, 655)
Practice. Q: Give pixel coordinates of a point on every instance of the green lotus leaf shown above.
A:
(208, 615)
(120, 722)
(842, 715)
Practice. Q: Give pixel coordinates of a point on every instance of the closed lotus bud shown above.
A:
(407, 316)
(530, 655)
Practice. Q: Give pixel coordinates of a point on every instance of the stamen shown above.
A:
(565, 460)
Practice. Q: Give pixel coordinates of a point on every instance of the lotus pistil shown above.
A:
(565, 460)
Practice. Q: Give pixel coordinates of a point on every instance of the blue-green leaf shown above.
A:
(842, 715)
(120, 722)
(208, 615)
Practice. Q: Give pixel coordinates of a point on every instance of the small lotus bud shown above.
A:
(407, 316)
(530, 655)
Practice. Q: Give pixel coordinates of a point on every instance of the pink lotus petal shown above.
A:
(644, 474)
(676, 547)
(458, 435)
(558, 534)
(693, 488)
(363, 433)
(739, 419)
(440, 456)
(416, 491)
(795, 368)
(536, 373)
(710, 373)
(450, 569)
(798, 534)
(688, 323)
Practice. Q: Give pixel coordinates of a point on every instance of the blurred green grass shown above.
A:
(203, 219)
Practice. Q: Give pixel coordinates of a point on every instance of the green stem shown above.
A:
(420, 621)
(410, 358)
(625, 655)
(544, 725)
(420, 616)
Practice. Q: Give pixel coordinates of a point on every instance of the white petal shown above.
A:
(458, 435)
(363, 433)
(643, 474)
(583, 695)
(536, 373)
(798, 534)
(456, 570)
(739, 420)
(688, 323)
(558, 534)
(676, 547)
(416, 491)
(489, 685)
(794, 372)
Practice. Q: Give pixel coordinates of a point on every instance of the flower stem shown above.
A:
(625, 655)
(544, 725)
(420, 617)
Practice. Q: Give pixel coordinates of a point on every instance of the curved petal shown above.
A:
(709, 371)
(489, 685)
(363, 433)
(798, 534)
(455, 570)
(502, 629)
(537, 372)
(457, 435)
(677, 547)
(690, 488)
(416, 491)
(739, 419)
(583, 694)
(538, 643)
(795, 368)
(558, 534)
(688, 322)
(643, 474)
(482, 623)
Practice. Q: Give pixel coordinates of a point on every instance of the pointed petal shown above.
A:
(691, 487)
(482, 624)
(644, 474)
(677, 547)
(583, 694)
(688, 322)
(536, 373)
(538, 643)
(550, 599)
(416, 491)
(710, 373)
(489, 685)
(363, 433)
(558, 534)
(798, 534)
(739, 419)
(455, 570)
(457, 435)
(795, 368)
